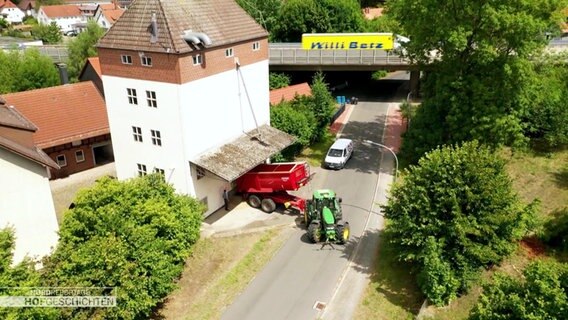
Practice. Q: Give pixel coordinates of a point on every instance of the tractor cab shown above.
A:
(323, 218)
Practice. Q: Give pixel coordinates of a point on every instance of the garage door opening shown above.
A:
(103, 154)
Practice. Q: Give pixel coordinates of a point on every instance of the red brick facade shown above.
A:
(173, 68)
(69, 151)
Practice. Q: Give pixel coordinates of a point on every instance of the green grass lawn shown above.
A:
(315, 154)
(393, 294)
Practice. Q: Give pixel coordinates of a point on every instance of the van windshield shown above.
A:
(335, 153)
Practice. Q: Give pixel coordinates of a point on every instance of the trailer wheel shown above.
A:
(268, 205)
(253, 201)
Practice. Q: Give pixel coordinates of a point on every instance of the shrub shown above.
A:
(134, 236)
(454, 213)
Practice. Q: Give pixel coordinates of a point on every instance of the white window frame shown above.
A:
(126, 59)
(160, 171)
(197, 59)
(77, 156)
(137, 134)
(151, 99)
(61, 163)
(256, 46)
(229, 52)
(156, 137)
(141, 169)
(132, 96)
(146, 61)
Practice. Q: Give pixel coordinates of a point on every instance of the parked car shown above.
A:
(71, 33)
(339, 153)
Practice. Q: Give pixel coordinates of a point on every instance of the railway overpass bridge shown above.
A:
(291, 57)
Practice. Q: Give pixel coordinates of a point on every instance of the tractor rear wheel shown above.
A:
(253, 201)
(314, 232)
(343, 232)
(268, 205)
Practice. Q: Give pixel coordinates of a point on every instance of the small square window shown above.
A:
(137, 134)
(160, 171)
(146, 61)
(256, 46)
(197, 60)
(141, 169)
(126, 59)
(156, 138)
(200, 172)
(229, 52)
(79, 156)
(132, 97)
(61, 160)
(151, 99)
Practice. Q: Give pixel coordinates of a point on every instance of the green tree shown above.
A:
(542, 294)
(36, 71)
(384, 23)
(278, 80)
(22, 275)
(547, 96)
(49, 34)
(298, 17)
(40, 3)
(344, 15)
(323, 105)
(26, 70)
(83, 47)
(132, 235)
(3, 24)
(454, 213)
(265, 12)
(477, 55)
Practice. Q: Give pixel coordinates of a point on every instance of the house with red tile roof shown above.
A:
(106, 15)
(289, 93)
(92, 72)
(26, 204)
(72, 124)
(27, 7)
(11, 12)
(66, 16)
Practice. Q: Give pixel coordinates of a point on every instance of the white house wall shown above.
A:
(165, 118)
(13, 15)
(27, 205)
(192, 118)
(65, 24)
(213, 113)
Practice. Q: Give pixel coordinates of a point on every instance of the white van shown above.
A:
(339, 153)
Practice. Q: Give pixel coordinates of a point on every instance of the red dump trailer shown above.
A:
(266, 185)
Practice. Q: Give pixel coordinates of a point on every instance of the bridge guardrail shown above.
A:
(298, 56)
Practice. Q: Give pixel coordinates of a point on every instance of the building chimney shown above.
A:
(63, 76)
(154, 29)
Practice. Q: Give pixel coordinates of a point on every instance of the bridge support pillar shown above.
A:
(414, 84)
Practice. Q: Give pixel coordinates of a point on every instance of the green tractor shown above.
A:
(323, 218)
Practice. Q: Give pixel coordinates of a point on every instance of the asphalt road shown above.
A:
(303, 275)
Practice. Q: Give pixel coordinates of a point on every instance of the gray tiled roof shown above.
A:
(236, 158)
(12, 118)
(222, 20)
